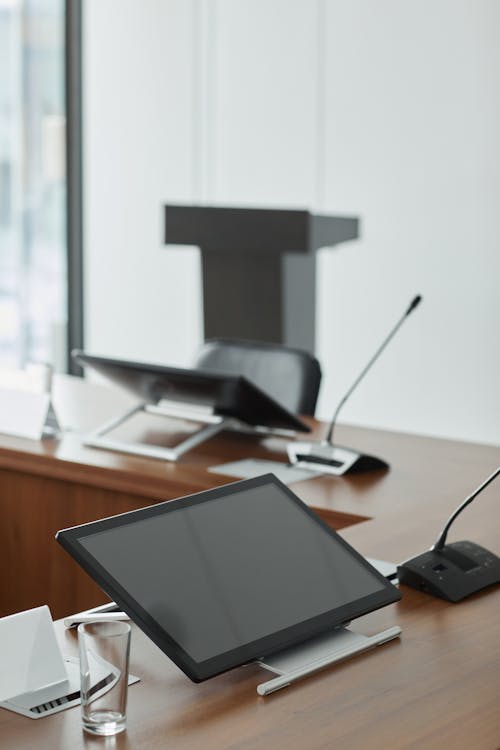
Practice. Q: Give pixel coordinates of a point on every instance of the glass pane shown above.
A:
(32, 183)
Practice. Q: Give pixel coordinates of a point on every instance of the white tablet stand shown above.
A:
(294, 663)
(212, 425)
(35, 679)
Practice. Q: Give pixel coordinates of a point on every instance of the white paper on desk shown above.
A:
(30, 657)
(247, 468)
(23, 413)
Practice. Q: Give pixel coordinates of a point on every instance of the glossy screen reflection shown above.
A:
(226, 572)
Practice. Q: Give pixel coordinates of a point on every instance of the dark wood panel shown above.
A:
(35, 570)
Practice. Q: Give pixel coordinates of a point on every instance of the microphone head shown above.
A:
(414, 303)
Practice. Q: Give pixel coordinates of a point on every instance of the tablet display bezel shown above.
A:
(202, 670)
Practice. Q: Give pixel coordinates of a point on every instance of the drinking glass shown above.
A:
(104, 649)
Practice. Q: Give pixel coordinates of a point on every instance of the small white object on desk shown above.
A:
(26, 403)
(29, 653)
(74, 620)
(388, 569)
(248, 468)
(35, 679)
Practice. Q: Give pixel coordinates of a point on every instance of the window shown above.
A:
(33, 265)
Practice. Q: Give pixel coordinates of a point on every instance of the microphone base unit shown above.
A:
(329, 459)
(454, 572)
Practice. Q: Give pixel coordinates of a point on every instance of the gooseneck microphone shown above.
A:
(453, 571)
(413, 304)
(325, 456)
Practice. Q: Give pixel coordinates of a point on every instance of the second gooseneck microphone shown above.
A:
(413, 304)
(325, 456)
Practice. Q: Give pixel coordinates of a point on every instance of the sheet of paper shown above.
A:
(255, 467)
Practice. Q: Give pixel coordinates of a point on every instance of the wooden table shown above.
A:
(440, 685)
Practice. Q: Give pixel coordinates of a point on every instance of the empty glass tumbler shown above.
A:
(104, 649)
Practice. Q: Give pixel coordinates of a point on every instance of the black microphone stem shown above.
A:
(413, 305)
(442, 537)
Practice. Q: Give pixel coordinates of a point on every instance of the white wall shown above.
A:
(413, 124)
(386, 110)
(141, 299)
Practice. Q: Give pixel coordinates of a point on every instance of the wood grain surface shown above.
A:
(439, 685)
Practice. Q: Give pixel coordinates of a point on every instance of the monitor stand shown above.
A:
(212, 424)
(294, 663)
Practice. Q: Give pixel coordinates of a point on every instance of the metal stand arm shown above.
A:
(297, 662)
(215, 424)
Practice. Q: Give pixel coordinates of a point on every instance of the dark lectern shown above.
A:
(259, 268)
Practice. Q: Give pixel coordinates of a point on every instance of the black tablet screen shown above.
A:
(220, 574)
